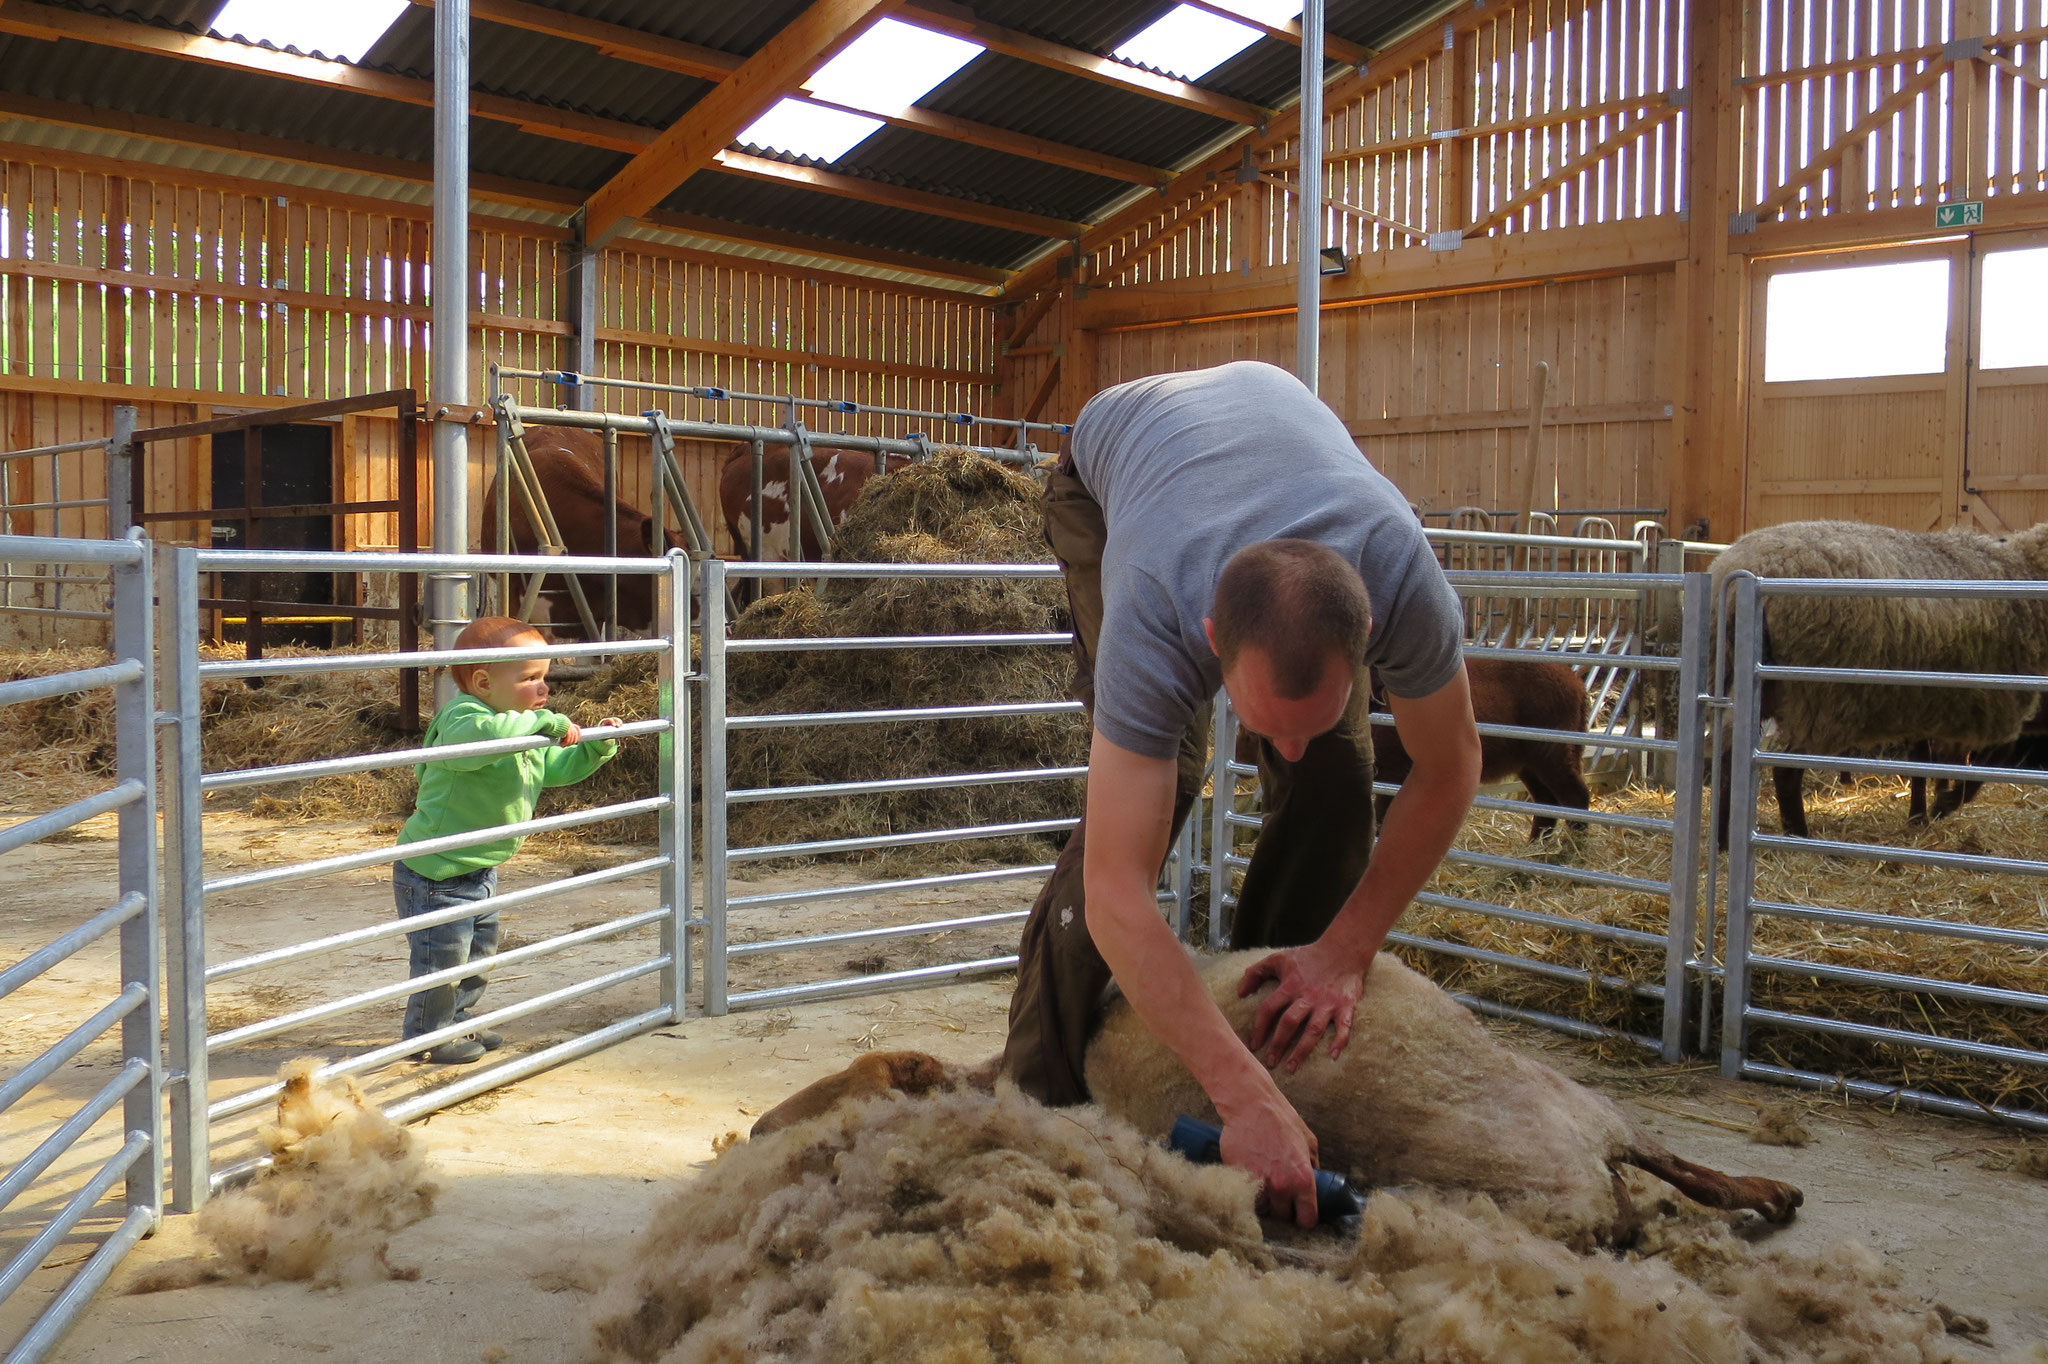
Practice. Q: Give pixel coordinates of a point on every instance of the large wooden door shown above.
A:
(1882, 448)
(2005, 472)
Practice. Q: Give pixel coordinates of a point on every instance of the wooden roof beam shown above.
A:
(27, 20)
(894, 196)
(1335, 48)
(745, 234)
(944, 16)
(689, 144)
(687, 59)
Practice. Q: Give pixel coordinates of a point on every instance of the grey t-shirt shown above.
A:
(1192, 467)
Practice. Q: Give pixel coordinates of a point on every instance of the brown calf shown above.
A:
(1529, 693)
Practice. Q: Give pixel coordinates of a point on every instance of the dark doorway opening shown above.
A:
(297, 466)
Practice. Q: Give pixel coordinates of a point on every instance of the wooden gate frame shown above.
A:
(252, 514)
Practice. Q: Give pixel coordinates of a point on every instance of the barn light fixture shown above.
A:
(1335, 262)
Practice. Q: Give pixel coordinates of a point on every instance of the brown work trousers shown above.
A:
(1310, 853)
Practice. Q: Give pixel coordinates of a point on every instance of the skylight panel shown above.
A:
(808, 130)
(891, 66)
(1191, 42)
(342, 31)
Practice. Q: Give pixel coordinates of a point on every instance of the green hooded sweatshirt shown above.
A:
(461, 794)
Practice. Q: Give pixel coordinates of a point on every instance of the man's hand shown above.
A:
(1314, 993)
(1268, 1140)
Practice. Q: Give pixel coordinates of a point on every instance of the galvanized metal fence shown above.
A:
(721, 905)
(196, 898)
(1602, 648)
(138, 1162)
(1748, 966)
(33, 583)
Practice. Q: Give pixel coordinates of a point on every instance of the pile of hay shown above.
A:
(2007, 820)
(342, 1180)
(955, 508)
(975, 1227)
(62, 748)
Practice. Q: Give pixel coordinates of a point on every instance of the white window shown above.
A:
(2014, 317)
(1191, 42)
(1857, 322)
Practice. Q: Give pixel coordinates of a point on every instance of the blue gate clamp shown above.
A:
(844, 406)
(960, 418)
(1063, 428)
(716, 395)
(568, 378)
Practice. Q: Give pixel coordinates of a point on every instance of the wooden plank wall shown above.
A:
(1547, 117)
(1436, 390)
(195, 294)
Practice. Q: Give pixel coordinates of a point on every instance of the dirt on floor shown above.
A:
(546, 1182)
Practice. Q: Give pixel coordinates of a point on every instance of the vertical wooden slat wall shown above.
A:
(182, 293)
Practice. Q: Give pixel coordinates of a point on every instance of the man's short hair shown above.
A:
(489, 632)
(1297, 602)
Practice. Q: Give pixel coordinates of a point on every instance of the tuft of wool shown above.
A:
(1780, 1125)
(342, 1179)
(972, 1227)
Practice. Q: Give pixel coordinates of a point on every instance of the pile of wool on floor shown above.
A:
(969, 1227)
(342, 1180)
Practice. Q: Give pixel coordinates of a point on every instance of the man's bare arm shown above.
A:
(1130, 816)
(1319, 984)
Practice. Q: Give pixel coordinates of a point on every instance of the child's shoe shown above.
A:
(459, 1052)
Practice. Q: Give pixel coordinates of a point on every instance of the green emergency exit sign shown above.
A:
(1968, 213)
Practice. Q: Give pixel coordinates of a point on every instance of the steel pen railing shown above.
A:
(35, 583)
(197, 897)
(137, 1162)
(1748, 909)
(722, 907)
(1671, 944)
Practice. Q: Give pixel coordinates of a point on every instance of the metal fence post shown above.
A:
(135, 760)
(712, 669)
(672, 602)
(1688, 786)
(1745, 687)
(121, 506)
(1222, 800)
(184, 880)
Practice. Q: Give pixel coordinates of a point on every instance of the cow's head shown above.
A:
(674, 538)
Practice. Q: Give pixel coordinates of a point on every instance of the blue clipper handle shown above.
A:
(1202, 1143)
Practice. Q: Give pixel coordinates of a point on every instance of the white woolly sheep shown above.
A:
(1422, 1095)
(1908, 633)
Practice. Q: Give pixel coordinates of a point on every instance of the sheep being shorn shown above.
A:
(1951, 634)
(1423, 1095)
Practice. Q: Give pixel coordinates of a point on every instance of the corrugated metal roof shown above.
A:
(1005, 92)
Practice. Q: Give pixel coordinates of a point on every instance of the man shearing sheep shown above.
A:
(1218, 526)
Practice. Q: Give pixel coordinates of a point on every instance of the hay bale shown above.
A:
(955, 508)
(967, 1226)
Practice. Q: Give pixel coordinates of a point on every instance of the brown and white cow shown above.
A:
(570, 465)
(842, 474)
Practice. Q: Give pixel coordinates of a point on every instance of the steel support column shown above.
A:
(448, 601)
(1308, 249)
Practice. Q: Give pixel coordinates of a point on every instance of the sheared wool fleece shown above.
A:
(1955, 634)
(965, 1227)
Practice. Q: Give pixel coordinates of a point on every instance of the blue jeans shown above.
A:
(441, 946)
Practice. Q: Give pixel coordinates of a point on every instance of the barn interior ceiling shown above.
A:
(1041, 133)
